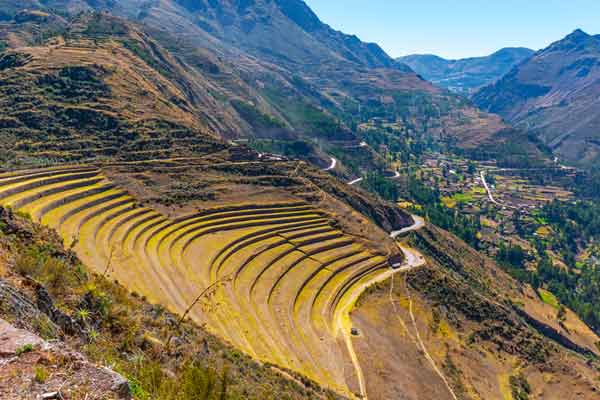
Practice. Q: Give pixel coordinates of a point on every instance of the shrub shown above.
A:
(520, 387)
(26, 264)
(23, 214)
(44, 327)
(41, 374)
(24, 349)
(56, 274)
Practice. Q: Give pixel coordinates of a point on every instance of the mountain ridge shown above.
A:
(553, 94)
(466, 75)
(231, 72)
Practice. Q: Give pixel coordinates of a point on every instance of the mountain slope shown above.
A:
(465, 76)
(266, 253)
(270, 70)
(490, 337)
(555, 95)
(79, 98)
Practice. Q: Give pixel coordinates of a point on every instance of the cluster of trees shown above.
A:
(579, 220)
(288, 148)
(575, 227)
(587, 184)
(430, 205)
(403, 147)
(384, 187)
(579, 291)
(464, 226)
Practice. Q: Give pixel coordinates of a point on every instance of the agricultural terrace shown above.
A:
(276, 275)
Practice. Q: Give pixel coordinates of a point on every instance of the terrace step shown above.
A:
(281, 271)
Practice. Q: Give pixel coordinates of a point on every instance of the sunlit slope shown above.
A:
(279, 272)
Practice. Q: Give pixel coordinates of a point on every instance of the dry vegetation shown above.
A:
(488, 335)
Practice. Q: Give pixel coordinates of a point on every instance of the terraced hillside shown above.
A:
(272, 278)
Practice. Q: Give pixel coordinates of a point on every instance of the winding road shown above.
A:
(489, 192)
(419, 222)
(412, 259)
(332, 165)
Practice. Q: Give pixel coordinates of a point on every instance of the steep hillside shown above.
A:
(465, 76)
(101, 89)
(91, 325)
(315, 85)
(242, 253)
(554, 95)
(461, 328)
(254, 251)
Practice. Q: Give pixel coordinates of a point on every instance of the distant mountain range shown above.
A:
(466, 75)
(555, 94)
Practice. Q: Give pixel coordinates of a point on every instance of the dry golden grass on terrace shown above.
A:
(276, 272)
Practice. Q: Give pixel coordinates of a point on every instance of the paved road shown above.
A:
(418, 224)
(332, 165)
(354, 182)
(489, 192)
(358, 180)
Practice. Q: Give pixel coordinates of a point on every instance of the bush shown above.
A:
(520, 387)
(24, 349)
(41, 263)
(41, 374)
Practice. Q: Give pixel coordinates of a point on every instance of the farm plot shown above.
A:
(279, 271)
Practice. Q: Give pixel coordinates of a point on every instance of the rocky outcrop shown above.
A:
(46, 305)
(31, 367)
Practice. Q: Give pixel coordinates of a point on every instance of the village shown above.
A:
(505, 201)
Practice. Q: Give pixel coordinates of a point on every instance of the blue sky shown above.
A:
(458, 28)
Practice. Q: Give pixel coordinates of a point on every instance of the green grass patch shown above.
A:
(255, 117)
(548, 298)
(461, 198)
(456, 199)
(448, 202)
(24, 349)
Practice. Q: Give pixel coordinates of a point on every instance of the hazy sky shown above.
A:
(458, 28)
